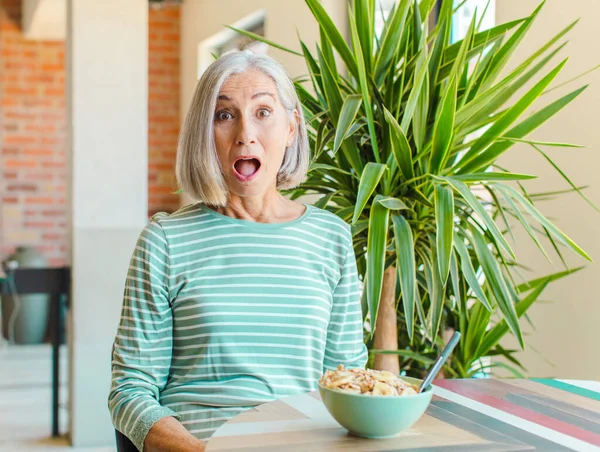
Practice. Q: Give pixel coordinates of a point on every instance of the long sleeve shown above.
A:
(142, 349)
(345, 344)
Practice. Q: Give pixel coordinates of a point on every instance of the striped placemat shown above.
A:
(464, 415)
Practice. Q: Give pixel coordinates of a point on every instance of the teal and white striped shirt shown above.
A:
(221, 314)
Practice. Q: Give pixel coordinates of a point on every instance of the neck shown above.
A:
(270, 207)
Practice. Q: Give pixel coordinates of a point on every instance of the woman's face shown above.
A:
(252, 131)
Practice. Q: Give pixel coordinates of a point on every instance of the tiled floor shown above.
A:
(25, 401)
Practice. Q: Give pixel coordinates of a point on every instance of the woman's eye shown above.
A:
(263, 113)
(223, 116)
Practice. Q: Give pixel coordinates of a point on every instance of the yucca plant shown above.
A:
(407, 129)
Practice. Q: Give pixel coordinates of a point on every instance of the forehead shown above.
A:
(247, 83)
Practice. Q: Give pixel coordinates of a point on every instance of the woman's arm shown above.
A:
(143, 347)
(169, 435)
(345, 344)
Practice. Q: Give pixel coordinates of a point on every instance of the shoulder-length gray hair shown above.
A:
(199, 173)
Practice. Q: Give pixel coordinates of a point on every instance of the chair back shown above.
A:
(124, 444)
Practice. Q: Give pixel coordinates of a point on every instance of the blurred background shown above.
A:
(92, 95)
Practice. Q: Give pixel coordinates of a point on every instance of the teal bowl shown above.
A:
(370, 416)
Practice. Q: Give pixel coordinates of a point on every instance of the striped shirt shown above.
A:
(220, 315)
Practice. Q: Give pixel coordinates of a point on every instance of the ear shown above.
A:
(293, 126)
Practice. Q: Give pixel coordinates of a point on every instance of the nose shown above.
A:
(245, 134)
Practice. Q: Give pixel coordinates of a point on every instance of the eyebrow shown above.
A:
(255, 96)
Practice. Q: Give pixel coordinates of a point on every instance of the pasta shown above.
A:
(367, 382)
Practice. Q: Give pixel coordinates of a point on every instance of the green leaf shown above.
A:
(415, 92)
(517, 212)
(364, 88)
(405, 265)
(469, 272)
(314, 69)
(477, 207)
(376, 245)
(391, 40)
(490, 175)
(418, 196)
(408, 354)
(503, 55)
(334, 35)
(325, 168)
(494, 336)
(561, 236)
(443, 132)
(324, 200)
(543, 143)
(436, 296)
(327, 49)
(260, 38)
(522, 129)
(478, 322)
(490, 101)
(454, 278)
(468, 163)
(419, 124)
(393, 203)
(400, 147)
(368, 182)
(565, 177)
(350, 108)
(444, 221)
(331, 88)
(480, 39)
(437, 51)
(495, 279)
(532, 284)
(364, 22)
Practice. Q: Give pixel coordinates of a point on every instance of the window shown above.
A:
(486, 14)
(229, 40)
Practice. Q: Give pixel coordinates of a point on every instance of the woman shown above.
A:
(245, 296)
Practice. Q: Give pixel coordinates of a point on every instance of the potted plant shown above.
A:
(407, 130)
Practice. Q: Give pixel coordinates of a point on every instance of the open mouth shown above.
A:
(246, 168)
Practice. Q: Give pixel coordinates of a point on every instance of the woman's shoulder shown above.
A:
(330, 221)
(164, 223)
(185, 214)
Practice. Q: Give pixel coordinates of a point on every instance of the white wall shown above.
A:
(568, 330)
(107, 76)
(201, 19)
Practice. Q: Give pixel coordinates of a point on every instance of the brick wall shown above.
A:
(163, 108)
(33, 140)
(33, 172)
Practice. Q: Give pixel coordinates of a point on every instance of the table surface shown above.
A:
(464, 415)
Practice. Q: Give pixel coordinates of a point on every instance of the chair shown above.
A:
(54, 282)
(124, 444)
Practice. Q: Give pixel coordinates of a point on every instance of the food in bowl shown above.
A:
(367, 382)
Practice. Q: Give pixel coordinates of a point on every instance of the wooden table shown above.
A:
(465, 415)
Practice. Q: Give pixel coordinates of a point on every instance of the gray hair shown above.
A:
(198, 170)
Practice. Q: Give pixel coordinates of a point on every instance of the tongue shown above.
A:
(246, 167)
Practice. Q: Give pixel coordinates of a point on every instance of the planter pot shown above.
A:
(25, 317)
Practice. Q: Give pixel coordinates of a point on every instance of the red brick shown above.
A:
(53, 213)
(12, 163)
(38, 224)
(39, 200)
(44, 128)
(22, 187)
(38, 152)
(19, 139)
(52, 236)
(34, 122)
(57, 165)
